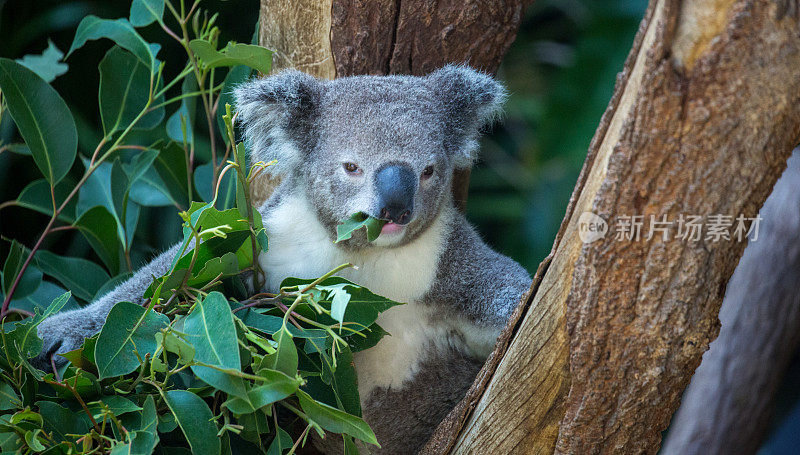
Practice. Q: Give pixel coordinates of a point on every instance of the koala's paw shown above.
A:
(60, 333)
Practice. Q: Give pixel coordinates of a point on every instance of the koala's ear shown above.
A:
(470, 100)
(279, 114)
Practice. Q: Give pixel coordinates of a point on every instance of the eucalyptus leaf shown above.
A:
(280, 443)
(276, 387)
(99, 227)
(24, 338)
(61, 421)
(118, 30)
(211, 331)
(145, 12)
(336, 420)
(42, 117)
(285, 359)
(48, 65)
(358, 220)
(194, 418)
(256, 57)
(8, 397)
(31, 279)
(84, 278)
(36, 196)
(127, 336)
(125, 92)
(180, 125)
(170, 164)
(42, 297)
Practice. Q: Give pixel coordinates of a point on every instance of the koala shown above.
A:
(387, 146)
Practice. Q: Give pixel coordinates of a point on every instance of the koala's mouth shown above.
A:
(391, 229)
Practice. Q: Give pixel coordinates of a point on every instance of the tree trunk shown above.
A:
(728, 403)
(334, 38)
(703, 118)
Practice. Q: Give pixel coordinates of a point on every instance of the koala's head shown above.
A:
(383, 145)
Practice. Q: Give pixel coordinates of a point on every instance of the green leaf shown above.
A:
(373, 335)
(362, 309)
(335, 420)
(194, 418)
(48, 65)
(139, 165)
(42, 297)
(357, 221)
(129, 329)
(120, 31)
(124, 92)
(339, 299)
(11, 443)
(183, 119)
(145, 12)
(173, 343)
(227, 265)
(285, 359)
(204, 184)
(107, 187)
(272, 324)
(150, 191)
(24, 338)
(211, 330)
(281, 442)
(36, 196)
(256, 57)
(350, 447)
(42, 117)
(344, 383)
(61, 421)
(277, 387)
(99, 228)
(31, 279)
(8, 397)
(170, 164)
(116, 404)
(32, 439)
(84, 278)
(144, 436)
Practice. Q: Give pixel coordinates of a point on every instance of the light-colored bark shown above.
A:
(703, 118)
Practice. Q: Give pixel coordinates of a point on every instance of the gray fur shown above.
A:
(66, 331)
(464, 295)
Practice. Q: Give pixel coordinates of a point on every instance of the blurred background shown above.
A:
(560, 73)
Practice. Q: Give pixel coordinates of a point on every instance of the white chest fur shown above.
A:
(300, 247)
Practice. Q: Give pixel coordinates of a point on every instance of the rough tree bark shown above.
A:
(728, 403)
(334, 38)
(703, 118)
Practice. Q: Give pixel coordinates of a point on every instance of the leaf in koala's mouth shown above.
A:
(358, 220)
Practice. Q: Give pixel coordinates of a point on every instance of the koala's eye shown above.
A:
(352, 168)
(427, 172)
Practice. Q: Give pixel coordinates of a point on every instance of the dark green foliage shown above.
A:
(202, 366)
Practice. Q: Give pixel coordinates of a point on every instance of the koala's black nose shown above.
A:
(396, 185)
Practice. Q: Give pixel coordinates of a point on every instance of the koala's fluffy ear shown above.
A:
(279, 114)
(471, 99)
